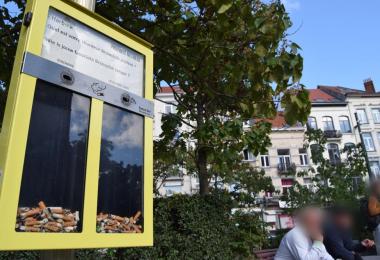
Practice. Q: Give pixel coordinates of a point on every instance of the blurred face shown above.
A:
(343, 221)
(312, 220)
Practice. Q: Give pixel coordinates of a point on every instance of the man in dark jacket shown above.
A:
(337, 236)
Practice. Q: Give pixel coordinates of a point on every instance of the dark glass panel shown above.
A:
(121, 171)
(55, 160)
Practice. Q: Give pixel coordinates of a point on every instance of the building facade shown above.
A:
(362, 107)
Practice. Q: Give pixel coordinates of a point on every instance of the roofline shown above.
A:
(328, 104)
(364, 95)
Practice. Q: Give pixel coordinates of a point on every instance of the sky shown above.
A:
(340, 41)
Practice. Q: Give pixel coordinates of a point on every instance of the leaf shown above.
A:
(260, 50)
(224, 7)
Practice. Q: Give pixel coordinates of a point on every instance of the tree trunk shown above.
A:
(202, 172)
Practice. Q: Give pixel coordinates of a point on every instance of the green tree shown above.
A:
(232, 61)
(340, 181)
(10, 25)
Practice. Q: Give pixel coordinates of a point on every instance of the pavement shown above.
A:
(372, 257)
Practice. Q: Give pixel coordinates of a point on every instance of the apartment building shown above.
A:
(285, 156)
(332, 115)
(366, 105)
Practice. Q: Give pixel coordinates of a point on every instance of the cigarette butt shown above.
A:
(54, 224)
(56, 210)
(126, 227)
(55, 215)
(52, 228)
(69, 229)
(32, 229)
(118, 218)
(69, 224)
(68, 217)
(136, 228)
(32, 222)
(77, 215)
(30, 213)
(42, 205)
(137, 215)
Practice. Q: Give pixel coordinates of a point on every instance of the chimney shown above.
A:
(369, 86)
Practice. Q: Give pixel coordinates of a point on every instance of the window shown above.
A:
(170, 109)
(375, 168)
(283, 156)
(327, 123)
(378, 137)
(304, 160)
(350, 146)
(312, 123)
(284, 163)
(307, 182)
(264, 160)
(368, 142)
(286, 184)
(248, 156)
(376, 115)
(316, 150)
(334, 155)
(344, 123)
(362, 116)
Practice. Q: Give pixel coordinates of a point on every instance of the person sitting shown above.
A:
(374, 212)
(305, 240)
(337, 236)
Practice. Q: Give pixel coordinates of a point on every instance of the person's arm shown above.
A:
(373, 206)
(339, 247)
(300, 250)
(351, 246)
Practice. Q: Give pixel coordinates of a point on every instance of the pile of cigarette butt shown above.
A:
(108, 223)
(46, 219)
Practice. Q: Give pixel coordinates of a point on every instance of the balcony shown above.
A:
(332, 134)
(286, 168)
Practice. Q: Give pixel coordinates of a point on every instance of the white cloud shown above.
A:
(291, 5)
(132, 136)
(123, 129)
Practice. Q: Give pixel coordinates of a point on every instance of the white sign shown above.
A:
(77, 46)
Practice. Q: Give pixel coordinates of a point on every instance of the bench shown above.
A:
(266, 254)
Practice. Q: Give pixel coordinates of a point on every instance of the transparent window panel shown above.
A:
(52, 186)
(120, 195)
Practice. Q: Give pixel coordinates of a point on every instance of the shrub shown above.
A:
(194, 227)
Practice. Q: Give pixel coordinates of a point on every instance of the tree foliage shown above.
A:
(10, 24)
(339, 182)
(232, 62)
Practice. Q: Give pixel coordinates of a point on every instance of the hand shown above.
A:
(317, 237)
(368, 243)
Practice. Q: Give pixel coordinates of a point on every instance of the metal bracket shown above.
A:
(60, 75)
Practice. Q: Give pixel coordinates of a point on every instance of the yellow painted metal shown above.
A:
(14, 134)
